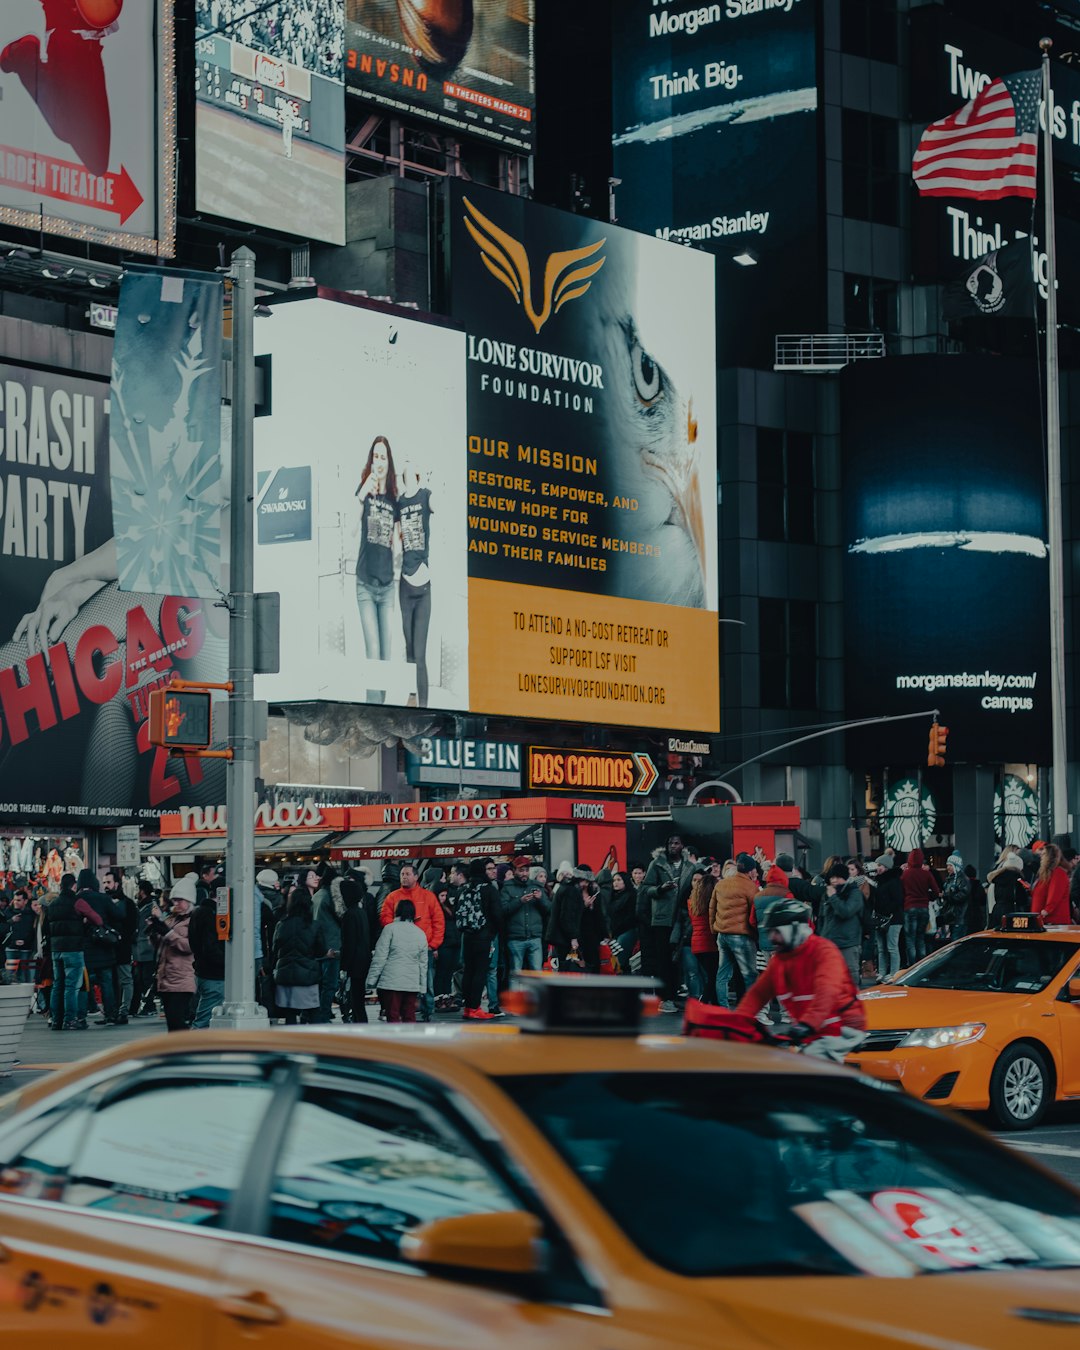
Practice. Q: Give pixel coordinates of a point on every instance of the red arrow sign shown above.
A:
(647, 774)
(112, 193)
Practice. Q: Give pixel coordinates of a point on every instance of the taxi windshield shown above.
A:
(734, 1175)
(993, 965)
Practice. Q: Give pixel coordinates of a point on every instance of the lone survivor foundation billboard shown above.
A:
(78, 657)
(591, 466)
(945, 580)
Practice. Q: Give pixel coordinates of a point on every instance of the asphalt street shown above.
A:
(1055, 1144)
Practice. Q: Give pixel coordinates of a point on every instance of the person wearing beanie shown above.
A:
(525, 910)
(918, 884)
(952, 917)
(842, 909)
(776, 888)
(888, 916)
(268, 888)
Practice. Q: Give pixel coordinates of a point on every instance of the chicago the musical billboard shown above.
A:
(78, 657)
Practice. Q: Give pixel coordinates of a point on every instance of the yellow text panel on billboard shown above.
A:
(589, 658)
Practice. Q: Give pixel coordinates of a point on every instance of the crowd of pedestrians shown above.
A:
(328, 942)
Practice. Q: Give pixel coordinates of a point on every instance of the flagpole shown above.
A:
(1059, 791)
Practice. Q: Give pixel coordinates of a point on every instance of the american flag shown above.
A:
(988, 148)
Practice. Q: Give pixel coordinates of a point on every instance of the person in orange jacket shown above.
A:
(810, 980)
(1050, 894)
(429, 919)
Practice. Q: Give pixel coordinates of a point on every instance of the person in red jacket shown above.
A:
(702, 938)
(810, 980)
(1050, 894)
(918, 884)
(429, 919)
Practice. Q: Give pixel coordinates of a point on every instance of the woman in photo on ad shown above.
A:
(377, 496)
(414, 512)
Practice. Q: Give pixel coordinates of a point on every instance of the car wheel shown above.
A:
(1020, 1088)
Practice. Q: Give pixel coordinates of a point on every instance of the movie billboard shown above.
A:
(78, 657)
(715, 145)
(270, 115)
(89, 121)
(466, 65)
(360, 506)
(591, 461)
(946, 577)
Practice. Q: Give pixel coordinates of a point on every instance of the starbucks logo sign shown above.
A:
(1016, 812)
(907, 818)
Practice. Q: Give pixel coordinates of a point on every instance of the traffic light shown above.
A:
(935, 754)
(180, 719)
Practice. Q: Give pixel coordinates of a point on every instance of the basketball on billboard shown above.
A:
(99, 13)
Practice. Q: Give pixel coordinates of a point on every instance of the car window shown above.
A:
(994, 965)
(167, 1148)
(791, 1174)
(360, 1168)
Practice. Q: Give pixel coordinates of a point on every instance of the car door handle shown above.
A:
(250, 1308)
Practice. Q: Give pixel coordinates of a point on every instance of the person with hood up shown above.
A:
(297, 951)
(840, 915)
(477, 906)
(729, 918)
(175, 964)
(955, 895)
(356, 948)
(918, 884)
(400, 964)
(267, 900)
(623, 915)
(328, 936)
(888, 916)
(976, 909)
(1050, 894)
(811, 981)
(563, 933)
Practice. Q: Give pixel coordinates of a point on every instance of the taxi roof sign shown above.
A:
(580, 1005)
(1022, 922)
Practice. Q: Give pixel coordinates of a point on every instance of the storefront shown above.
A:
(551, 830)
(40, 854)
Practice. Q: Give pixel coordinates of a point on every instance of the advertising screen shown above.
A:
(87, 138)
(360, 506)
(466, 65)
(945, 578)
(78, 657)
(715, 140)
(270, 115)
(591, 466)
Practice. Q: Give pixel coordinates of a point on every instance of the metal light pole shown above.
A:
(1059, 789)
(240, 1010)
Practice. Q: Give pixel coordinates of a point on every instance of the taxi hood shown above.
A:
(966, 1310)
(898, 1005)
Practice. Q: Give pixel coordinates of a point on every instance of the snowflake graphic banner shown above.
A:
(166, 451)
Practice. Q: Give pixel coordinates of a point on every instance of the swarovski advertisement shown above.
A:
(715, 138)
(78, 657)
(466, 65)
(89, 120)
(270, 114)
(360, 506)
(591, 461)
(945, 545)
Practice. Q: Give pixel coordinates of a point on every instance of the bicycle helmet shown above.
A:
(788, 924)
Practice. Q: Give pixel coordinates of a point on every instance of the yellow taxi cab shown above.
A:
(991, 1021)
(332, 1189)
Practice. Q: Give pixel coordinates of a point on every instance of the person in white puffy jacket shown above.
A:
(399, 965)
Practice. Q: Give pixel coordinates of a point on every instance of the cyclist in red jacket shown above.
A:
(809, 978)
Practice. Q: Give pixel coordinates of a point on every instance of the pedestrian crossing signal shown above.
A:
(935, 754)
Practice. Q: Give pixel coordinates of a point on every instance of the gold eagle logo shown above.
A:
(564, 278)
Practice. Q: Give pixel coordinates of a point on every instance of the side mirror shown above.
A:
(1072, 991)
(506, 1243)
